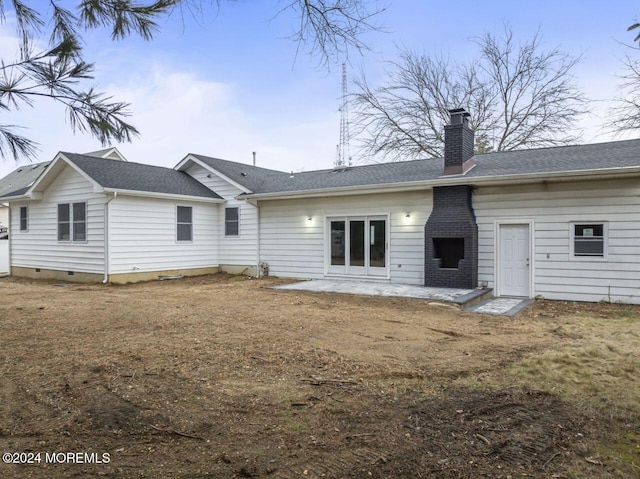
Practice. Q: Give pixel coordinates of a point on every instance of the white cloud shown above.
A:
(179, 113)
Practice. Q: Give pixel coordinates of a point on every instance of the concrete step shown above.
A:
(500, 306)
(474, 297)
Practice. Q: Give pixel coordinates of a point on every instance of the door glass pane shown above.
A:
(378, 236)
(356, 243)
(337, 243)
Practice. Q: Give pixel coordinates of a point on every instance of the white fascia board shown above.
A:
(191, 158)
(452, 181)
(572, 175)
(165, 196)
(26, 196)
(341, 191)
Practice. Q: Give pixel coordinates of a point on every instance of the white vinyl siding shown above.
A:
(554, 209)
(40, 248)
(295, 247)
(240, 250)
(142, 235)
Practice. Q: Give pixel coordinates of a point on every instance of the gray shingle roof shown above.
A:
(366, 175)
(617, 154)
(140, 177)
(249, 176)
(597, 156)
(122, 175)
(18, 181)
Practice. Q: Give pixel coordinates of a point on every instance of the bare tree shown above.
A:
(327, 29)
(625, 112)
(518, 96)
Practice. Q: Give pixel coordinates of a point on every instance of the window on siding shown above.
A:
(589, 239)
(185, 223)
(64, 222)
(232, 221)
(79, 222)
(24, 218)
(72, 222)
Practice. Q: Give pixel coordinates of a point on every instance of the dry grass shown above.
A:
(597, 368)
(275, 383)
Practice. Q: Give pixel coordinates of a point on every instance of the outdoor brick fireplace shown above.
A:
(451, 233)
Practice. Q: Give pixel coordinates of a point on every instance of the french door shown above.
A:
(358, 245)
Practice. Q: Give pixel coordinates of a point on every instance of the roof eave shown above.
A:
(26, 196)
(339, 191)
(575, 175)
(452, 181)
(168, 196)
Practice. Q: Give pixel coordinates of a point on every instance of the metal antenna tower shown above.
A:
(343, 153)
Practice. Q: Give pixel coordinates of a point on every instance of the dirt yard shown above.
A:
(223, 377)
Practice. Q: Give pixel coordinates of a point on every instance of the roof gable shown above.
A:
(121, 176)
(246, 178)
(109, 153)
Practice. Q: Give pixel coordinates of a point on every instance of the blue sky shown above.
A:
(230, 83)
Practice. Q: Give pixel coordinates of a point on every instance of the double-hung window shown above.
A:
(185, 223)
(232, 221)
(24, 218)
(72, 222)
(589, 240)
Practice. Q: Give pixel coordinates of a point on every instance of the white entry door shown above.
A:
(514, 261)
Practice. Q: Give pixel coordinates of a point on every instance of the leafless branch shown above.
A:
(329, 29)
(518, 95)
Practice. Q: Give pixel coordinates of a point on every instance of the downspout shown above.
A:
(257, 238)
(106, 237)
(8, 205)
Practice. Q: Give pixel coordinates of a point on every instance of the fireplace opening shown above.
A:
(449, 250)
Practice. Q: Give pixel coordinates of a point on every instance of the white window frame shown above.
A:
(72, 220)
(24, 208)
(178, 223)
(605, 241)
(237, 208)
(367, 271)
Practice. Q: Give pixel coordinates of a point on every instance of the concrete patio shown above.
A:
(474, 300)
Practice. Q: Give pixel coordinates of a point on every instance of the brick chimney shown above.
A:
(451, 233)
(458, 144)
